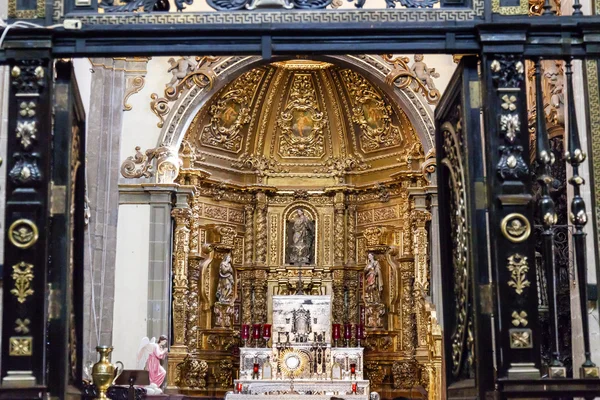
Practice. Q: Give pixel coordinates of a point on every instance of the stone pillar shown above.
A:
(351, 236)
(261, 228)
(159, 265)
(104, 126)
(338, 229)
(249, 234)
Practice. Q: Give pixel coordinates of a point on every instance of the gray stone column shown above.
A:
(159, 267)
(108, 87)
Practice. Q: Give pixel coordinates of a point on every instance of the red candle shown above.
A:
(336, 331)
(348, 331)
(245, 332)
(239, 387)
(256, 331)
(353, 387)
(255, 368)
(266, 331)
(353, 369)
(360, 331)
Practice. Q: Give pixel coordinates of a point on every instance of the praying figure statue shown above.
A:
(225, 292)
(424, 74)
(373, 281)
(148, 358)
(300, 244)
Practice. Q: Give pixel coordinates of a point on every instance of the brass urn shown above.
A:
(104, 373)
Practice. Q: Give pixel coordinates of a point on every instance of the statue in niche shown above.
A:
(373, 281)
(300, 239)
(424, 74)
(225, 288)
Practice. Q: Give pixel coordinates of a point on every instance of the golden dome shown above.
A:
(314, 121)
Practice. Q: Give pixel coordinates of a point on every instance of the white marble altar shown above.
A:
(301, 357)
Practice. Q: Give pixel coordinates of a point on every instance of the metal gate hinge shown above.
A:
(58, 199)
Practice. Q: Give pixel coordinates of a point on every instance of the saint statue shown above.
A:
(148, 358)
(373, 281)
(225, 290)
(300, 239)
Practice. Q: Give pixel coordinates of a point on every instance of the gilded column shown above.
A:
(421, 282)
(193, 304)
(260, 297)
(338, 297)
(180, 281)
(249, 234)
(351, 236)
(261, 228)
(178, 350)
(408, 316)
(247, 297)
(338, 229)
(352, 287)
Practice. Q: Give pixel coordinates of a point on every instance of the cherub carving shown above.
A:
(424, 74)
(180, 69)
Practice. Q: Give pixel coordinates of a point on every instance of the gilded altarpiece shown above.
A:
(334, 207)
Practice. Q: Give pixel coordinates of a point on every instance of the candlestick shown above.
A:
(256, 328)
(245, 333)
(347, 333)
(336, 333)
(266, 333)
(360, 333)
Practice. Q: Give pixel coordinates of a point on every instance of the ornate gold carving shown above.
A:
(263, 166)
(371, 113)
(261, 233)
(225, 374)
(260, 297)
(246, 278)
(230, 113)
(20, 346)
(140, 165)
(302, 122)
(375, 237)
(186, 74)
(249, 234)
(193, 304)
(237, 254)
(273, 243)
(339, 166)
(23, 233)
(351, 235)
(515, 227)
(520, 338)
(223, 237)
(180, 263)
(418, 77)
(364, 217)
(518, 267)
(215, 212)
(22, 275)
(192, 373)
(135, 85)
(338, 234)
(22, 326)
(385, 214)
(406, 373)
(375, 372)
(38, 12)
(327, 239)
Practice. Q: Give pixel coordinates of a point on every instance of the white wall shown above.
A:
(83, 74)
(139, 124)
(131, 282)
